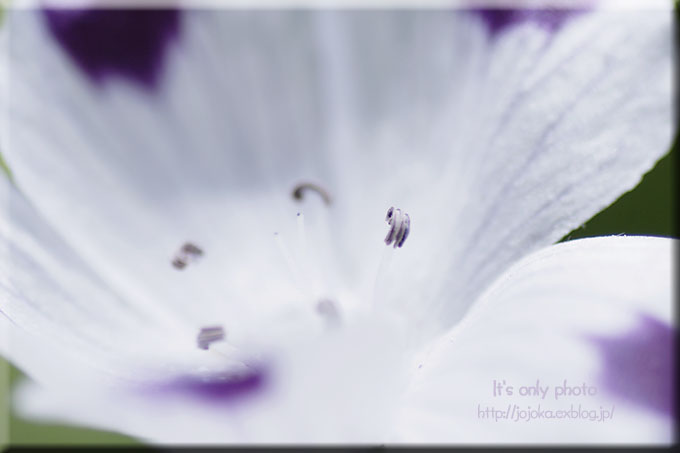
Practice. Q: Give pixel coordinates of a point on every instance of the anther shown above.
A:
(187, 253)
(298, 192)
(400, 226)
(208, 335)
(179, 263)
(192, 249)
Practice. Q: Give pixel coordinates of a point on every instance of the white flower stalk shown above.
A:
(193, 247)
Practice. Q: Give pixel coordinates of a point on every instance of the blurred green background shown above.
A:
(646, 210)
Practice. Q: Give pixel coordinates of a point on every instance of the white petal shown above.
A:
(574, 312)
(493, 146)
(340, 387)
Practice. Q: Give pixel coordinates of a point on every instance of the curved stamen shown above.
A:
(400, 226)
(298, 191)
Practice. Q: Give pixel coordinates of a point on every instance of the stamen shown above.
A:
(290, 262)
(301, 188)
(192, 249)
(302, 236)
(381, 275)
(209, 335)
(303, 255)
(187, 253)
(400, 226)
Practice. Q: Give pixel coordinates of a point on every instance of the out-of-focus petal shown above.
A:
(340, 387)
(593, 312)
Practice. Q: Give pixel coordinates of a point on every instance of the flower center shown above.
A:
(308, 252)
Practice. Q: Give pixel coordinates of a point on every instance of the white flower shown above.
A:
(496, 138)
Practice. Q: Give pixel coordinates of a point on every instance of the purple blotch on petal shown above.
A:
(131, 43)
(218, 388)
(639, 366)
(498, 20)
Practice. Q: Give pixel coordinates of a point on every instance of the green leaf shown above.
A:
(647, 210)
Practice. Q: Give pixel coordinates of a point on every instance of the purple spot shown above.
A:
(639, 366)
(498, 20)
(216, 388)
(129, 43)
